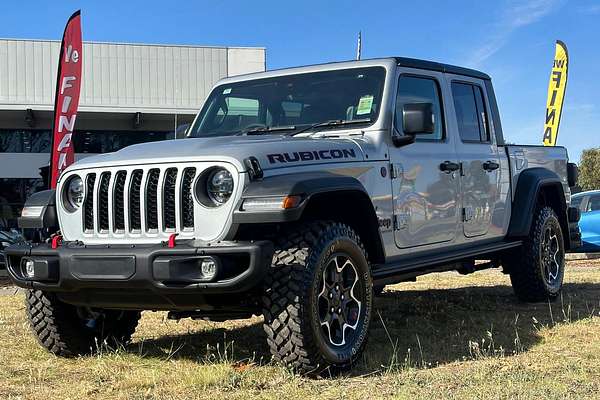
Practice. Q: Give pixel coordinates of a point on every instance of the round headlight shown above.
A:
(74, 193)
(219, 186)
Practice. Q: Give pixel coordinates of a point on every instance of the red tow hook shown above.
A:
(171, 242)
(56, 241)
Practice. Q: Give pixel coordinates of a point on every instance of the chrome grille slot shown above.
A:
(103, 211)
(135, 214)
(187, 199)
(152, 199)
(88, 204)
(168, 209)
(119, 201)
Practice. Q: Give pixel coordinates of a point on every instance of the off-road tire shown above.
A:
(60, 328)
(378, 290)
(291, 315)
(527, 268)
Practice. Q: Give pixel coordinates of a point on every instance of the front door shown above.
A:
(426, 172)
(481, 172)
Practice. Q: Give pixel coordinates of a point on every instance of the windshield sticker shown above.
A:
(364, 105)
(227, 91)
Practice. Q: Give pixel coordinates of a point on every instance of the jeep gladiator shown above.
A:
(298, 194)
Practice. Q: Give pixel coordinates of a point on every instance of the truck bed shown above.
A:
(522, 157)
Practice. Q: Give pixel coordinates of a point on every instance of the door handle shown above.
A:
(490, 165)
(449, 166)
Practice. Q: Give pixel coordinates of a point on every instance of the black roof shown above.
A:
(435, 66)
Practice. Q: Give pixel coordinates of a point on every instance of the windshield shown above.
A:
(291, 102)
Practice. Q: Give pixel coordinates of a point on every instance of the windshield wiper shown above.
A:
(333, 122)
(264, 129)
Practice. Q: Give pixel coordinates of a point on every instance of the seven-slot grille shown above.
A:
(139, 201)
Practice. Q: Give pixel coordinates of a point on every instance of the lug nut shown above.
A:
(331, 295)
(339, 310)
(342, 297)
(332, 310)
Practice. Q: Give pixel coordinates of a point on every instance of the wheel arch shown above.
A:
(537, 187)
(325, 196)
(341, 206)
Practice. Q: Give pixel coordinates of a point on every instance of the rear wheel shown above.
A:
(537, 272)
(318, 300)
(66, 330)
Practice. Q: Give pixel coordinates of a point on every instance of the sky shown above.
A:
(511, 40)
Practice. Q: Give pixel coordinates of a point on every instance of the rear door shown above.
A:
(425, 194)
(481, 172)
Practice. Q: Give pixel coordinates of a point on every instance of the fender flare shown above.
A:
(306, 185)
(529, 185)
(48, 217)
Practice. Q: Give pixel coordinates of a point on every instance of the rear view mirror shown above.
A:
(418, 118)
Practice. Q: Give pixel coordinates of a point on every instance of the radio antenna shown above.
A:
(359, 46)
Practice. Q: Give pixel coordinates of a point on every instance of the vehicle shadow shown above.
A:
(417, 328)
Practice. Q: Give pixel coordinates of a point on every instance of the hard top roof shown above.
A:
(435, 66)
(400, 61)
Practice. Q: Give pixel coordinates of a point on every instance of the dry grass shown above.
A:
(445, 336)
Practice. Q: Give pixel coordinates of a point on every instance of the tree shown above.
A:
(589, 169)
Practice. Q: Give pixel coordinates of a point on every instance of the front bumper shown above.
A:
(141, 276)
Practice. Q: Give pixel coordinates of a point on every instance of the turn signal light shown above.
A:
(271, 203)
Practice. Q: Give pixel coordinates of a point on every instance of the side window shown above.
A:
(471, 114)
(593, 204)
(419, 90)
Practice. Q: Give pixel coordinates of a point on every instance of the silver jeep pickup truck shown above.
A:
(298, 194)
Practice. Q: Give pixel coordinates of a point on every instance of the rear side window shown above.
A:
(471, 114)
(413, 89)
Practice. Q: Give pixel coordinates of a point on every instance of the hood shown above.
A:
(270, 150)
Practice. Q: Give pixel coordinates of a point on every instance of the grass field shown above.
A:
(444, 336)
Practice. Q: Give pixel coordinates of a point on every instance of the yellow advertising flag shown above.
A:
(556, 94)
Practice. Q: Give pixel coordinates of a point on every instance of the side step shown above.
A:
(408, 267)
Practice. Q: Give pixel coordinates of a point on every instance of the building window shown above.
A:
(24, 141)
(109, 141)
(39, 141)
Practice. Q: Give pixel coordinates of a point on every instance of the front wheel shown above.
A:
(67, 330)
(319, 298)
(537, 272)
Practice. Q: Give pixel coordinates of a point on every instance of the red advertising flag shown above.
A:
(66, 101)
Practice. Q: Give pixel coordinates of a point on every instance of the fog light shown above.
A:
(28, 267)
(208, 269)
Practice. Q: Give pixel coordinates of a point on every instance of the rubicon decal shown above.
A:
(300, 156)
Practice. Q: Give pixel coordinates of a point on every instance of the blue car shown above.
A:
(589, 205)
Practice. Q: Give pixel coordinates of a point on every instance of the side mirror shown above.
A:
(418, 119)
